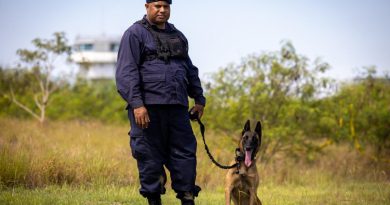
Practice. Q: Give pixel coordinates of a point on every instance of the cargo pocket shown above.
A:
(139, 148)
(153, 82)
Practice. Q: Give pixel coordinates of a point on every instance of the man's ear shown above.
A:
(247, 127)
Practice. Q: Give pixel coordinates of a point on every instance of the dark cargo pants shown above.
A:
(168, 141)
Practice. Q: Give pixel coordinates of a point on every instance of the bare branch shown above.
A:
(40, 80)
(45, 99)
(47, 83)
(54, 88)
(37, 103)
(25, 108)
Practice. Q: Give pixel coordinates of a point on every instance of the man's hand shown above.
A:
(198, 108)
(141, 117)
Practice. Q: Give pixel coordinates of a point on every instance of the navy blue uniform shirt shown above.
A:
(154, 82)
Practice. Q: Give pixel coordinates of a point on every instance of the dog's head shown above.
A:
(250, 142)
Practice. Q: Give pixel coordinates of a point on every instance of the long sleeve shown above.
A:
(195, 88)
(127, 69)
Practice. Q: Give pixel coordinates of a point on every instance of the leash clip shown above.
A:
(239, 158)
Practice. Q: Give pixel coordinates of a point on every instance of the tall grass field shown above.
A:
(78, 162)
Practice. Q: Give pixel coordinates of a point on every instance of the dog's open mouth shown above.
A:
(248, 158)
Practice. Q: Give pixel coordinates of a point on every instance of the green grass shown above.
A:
(347, 193)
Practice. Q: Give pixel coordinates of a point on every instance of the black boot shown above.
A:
(187, 202)
(154, 200)
(187, 198)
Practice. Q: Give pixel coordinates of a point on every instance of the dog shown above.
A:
(241, 184)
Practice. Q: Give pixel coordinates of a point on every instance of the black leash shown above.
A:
(195, 116)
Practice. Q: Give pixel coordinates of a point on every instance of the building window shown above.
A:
(86, 47)
(114, 47)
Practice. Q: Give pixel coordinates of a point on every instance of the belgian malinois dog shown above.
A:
(241, 183)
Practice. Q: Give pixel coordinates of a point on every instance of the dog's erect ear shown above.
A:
(258, 128)
(247, 127)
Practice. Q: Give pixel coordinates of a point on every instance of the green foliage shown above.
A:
(363, 112)
(87, 101)
(46, 49)
(301, 112)
(23, 84)
(276, 88)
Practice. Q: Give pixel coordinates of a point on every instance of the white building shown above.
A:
(96, 56)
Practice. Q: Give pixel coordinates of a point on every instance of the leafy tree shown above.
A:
(277, 88)
(363, 112)
(41, 63)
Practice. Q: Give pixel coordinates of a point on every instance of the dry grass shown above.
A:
(82, 157)
(64, 152)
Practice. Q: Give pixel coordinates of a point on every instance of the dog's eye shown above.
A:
(254, 141)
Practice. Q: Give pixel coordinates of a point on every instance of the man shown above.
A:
(155, 76)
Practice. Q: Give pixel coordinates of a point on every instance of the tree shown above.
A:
(41, 63)
(278, 88)
(363, 110)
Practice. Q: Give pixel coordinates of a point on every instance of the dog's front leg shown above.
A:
(228, 194)
(252, 196)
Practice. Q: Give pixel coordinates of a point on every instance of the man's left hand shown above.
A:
(198, 108)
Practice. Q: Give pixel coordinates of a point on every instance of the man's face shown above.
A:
(158, 12)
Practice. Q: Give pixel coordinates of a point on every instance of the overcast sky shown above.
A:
(348, 34)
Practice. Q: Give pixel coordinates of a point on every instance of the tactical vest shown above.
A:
(170, 44)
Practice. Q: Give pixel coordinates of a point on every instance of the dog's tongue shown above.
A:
(248, 158)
